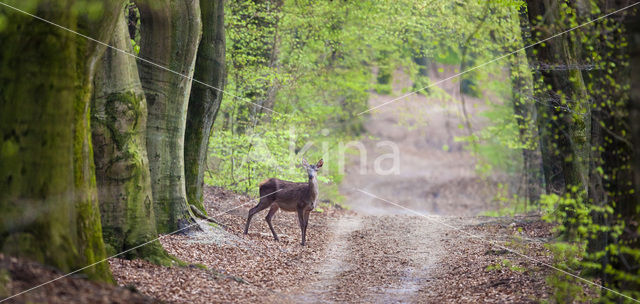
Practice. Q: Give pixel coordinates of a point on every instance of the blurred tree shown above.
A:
(48, 194)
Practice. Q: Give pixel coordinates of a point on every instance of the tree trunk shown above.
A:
(526, 117)
(170, 31)
(204, 101)
(48, 193)
(550, 162)
(119, 121)
(633, 28)
(89, 224)
(567, 123)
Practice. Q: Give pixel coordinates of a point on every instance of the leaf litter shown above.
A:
(349, 258)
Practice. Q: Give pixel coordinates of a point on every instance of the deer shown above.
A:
(289, 196)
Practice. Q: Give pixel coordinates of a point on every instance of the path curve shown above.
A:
(385, 254)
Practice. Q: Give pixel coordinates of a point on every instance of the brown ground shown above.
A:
(17, 275)
(350, 257)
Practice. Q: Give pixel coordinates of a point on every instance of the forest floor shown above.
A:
(349, 257)
(374, 252)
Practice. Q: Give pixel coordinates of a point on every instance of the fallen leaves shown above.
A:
(349, 258)
(239, 268)
(18, 275)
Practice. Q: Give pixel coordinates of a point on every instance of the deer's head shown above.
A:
(312, 170)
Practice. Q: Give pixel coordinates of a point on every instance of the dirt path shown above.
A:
(435, 174)
(376, 259)
(384, 254)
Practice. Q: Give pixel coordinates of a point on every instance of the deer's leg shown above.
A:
(301, 220)
(305, 218)
(263, 204)
(272, 211)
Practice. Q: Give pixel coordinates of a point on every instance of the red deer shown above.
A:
(288, 196)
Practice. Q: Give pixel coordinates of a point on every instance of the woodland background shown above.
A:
(101, 151)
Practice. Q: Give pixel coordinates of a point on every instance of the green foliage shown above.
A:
(573, 116)
(313, 62)
(568, 255)
(136, 47)
(505, 264)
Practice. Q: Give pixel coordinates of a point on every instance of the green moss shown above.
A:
(198, 204)
(201, 266)
(9, 148)
(88, 227)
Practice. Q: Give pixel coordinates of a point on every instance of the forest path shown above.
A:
(386, 254)
(377, 259)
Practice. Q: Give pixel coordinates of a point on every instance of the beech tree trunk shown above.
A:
(170, 33)
(204, 101)
(565, 100)
(48, 193)
(119, 121)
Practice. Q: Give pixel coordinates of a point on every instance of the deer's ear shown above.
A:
(305, 163)
(320, 163)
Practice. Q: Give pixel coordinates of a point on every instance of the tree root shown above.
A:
(197, 212)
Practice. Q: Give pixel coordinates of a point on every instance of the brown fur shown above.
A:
(264, 182)
(288, 196)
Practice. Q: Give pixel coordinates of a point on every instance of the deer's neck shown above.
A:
(313, 188)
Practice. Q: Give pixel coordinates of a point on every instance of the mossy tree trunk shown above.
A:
(564, 98)
(119, 121)
(170, 33)
(48, 194)
(88, 224)
(564, 102)
(204, 101)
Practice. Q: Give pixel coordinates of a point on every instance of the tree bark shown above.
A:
(119, 121)
(170, 31)
(633, 28)
(48, 192)
(204, 101)
(564, 117)
(563, 124)
(89, 225)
